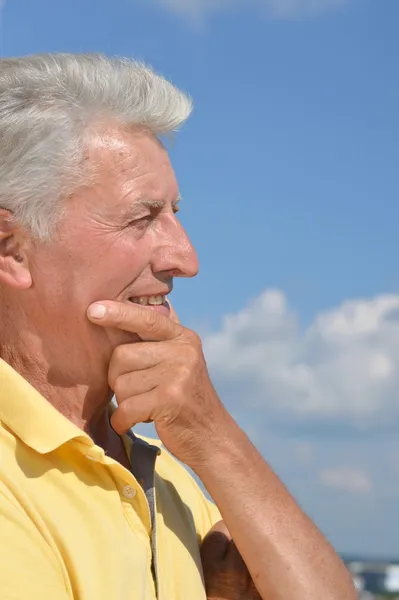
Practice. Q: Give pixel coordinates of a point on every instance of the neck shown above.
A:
(72, 377)
(84, 405)
(70, 383)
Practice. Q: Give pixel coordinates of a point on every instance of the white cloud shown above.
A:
(342, 370)
(281, 381)
(349, 479)
(280, 9)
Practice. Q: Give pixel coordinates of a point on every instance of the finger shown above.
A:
(137, 382)
(141, 408)
(135, 357)
(146, 323)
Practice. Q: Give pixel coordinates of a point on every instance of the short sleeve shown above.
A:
(214, 514)
(27, 566)
(204, 511)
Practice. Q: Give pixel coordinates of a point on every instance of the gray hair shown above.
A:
(47, 104)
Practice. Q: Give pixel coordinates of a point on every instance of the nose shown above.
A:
(174, 253)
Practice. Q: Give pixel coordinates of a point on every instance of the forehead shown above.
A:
(113, 151)
(129, 165)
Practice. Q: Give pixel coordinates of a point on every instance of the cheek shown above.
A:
(116, 268)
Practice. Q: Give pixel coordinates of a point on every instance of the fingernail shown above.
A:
(97, 311)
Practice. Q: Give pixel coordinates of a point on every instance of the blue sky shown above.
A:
(287, 171)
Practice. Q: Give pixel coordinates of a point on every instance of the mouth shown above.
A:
(148, 300)
(158, 303)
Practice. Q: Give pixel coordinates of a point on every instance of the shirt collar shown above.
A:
(31, 417)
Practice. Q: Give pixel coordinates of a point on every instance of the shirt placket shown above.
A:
(142, 459)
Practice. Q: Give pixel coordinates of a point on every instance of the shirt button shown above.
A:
(129, 492)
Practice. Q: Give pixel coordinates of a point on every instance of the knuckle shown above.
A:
(193, 337)
(112, 376)
(124, 411)
(123, 357)
(192, 353)
(111, 380)
(122, 417)
(115, 366)
(185, 373)
(119, 388)
(173, 391)
(118, 355)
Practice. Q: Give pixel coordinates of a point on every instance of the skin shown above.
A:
(120, 238)
(226, 574)
(44, 331)
(164, 378)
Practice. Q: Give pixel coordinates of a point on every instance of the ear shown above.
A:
(14, 267)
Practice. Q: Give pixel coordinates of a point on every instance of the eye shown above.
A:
(140, 224)
(146, 219)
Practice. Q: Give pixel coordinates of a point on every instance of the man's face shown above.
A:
(119, 239)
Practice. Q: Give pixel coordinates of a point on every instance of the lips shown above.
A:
(154, 302)
(149, 300)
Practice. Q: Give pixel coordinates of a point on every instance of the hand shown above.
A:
(225, 573)
(164, 379)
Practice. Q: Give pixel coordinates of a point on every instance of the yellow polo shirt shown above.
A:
(75, 524)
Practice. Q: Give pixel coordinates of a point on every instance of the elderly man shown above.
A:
(89, 246)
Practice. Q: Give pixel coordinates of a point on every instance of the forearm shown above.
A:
(285, 553)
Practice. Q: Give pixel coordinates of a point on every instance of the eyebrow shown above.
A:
(131, 211)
